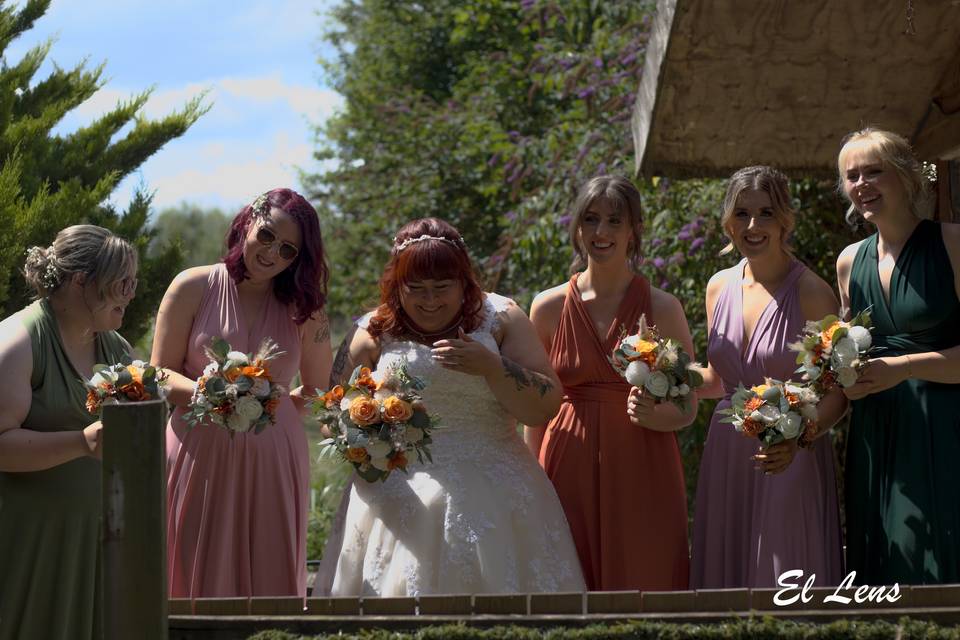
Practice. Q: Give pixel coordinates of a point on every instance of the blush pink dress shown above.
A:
(237, 507)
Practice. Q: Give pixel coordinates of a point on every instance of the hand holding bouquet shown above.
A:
(375, 425)
(116, 383)
(236, 390)
(833, 352)
(657, 365)
(775, 411)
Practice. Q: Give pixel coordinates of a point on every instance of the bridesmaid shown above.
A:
(49, 445)
(903, 480)
(611, 453)
(237, 506)
(760, 512)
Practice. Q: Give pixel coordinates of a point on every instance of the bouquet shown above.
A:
(658, 365)
(832, 352)
(115, 383)
(375, 425)
(775, 411)
(236, 390)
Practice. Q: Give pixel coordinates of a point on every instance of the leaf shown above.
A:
(220, 348)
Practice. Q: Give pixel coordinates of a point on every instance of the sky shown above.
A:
(257, 60)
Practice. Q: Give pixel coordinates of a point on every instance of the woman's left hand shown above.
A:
(879, 374)
(466, 355)
(640, 406)
(776, 458)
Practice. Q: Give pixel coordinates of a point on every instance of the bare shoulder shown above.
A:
(845, 259)
(717, 282)
(16, 353)
(193, 280)
(951, 238)
(817, 298)
(664, 305)
(548, 304)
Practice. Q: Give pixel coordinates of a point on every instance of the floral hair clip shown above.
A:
(397, 248)
(51, 274)
(260, 206)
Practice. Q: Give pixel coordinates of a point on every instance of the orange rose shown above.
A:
(364, 411)
(752, 427)
(364, 381)
(357, 454)
(232, 374)
(826, 336)
(135, 391)
(254, 371)
(333, 397)
(397, 410)
(647, 351)
(753, 404)
(135, 372)
(398, 461)
(793, 399)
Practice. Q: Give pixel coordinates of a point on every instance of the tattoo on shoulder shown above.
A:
(323, 330)
(525, 379)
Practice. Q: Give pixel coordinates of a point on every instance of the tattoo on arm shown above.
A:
(525, 378)
(342, 360)
(323, 331)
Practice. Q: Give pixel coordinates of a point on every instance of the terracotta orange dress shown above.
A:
(621, 486)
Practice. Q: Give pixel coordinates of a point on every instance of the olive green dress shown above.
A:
(50, 520)
(903, 458)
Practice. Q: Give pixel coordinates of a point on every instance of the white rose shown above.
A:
(378, 450)
(674, 392)
(631, 341)
(684, 389)
(768, 414)
(413, 434)
(260, 388)
(249, 407)
(657, 384)
(238, 357)
(211, 369)
(789, 425)
(238, 423)
(861, 337)
(637, 373)
(98, 379)
(847, 376)
(844, 352)
(231, 391)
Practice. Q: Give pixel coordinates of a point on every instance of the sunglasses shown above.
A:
(268, 238)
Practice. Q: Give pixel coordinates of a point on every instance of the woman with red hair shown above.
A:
(237, 503)
(482, 517)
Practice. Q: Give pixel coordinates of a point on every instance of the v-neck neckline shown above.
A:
(578, 298)
(746, 344)
(97, 348)
(894, 272)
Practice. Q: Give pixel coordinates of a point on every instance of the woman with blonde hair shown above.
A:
(610, 451)
(761, 511)
(902, 476)
(49, 445)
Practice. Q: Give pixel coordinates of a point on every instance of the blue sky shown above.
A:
(256, 59)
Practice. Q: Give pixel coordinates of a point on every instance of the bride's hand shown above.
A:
(466, 355)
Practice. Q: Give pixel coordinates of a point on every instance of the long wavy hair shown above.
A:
(303, 284)
(425, 260)
(624, 199)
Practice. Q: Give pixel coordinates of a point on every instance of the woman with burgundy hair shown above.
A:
(482, 517)
(237, 503)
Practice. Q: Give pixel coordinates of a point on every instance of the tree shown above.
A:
(199, 233)
(48, 182)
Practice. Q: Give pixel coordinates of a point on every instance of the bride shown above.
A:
(482, 517)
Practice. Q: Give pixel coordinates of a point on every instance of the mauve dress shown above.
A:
(748, 527)
(621, 486)
(237, 507)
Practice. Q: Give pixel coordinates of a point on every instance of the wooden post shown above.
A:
(134, 521)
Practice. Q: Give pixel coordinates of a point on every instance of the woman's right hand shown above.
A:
(93, 439)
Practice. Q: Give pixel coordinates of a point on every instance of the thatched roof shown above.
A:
(728, 83)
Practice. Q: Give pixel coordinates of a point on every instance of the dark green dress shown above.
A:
(903, 458)
(50, 520)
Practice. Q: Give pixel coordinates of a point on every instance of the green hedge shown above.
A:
(750, 629)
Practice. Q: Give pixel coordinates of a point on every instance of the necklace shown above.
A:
(422, 336)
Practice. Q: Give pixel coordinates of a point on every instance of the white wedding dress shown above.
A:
(482, 518)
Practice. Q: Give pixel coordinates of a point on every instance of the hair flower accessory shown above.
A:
(400, 246)
(51, 274)
(260, 206)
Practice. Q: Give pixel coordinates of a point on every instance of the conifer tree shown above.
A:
(50, 181)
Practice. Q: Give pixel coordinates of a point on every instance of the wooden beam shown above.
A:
(648, 94)
(135, 521)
